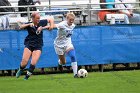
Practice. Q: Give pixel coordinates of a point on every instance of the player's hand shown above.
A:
(19, 23)
(129, 14)
(50, 27)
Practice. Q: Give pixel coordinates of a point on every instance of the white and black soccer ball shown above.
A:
(82, 73)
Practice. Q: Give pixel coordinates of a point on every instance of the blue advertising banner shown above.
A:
(104, 44)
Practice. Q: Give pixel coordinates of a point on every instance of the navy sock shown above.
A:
(21, 67)
(31, 68)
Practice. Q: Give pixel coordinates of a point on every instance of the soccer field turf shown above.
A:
(96, 82)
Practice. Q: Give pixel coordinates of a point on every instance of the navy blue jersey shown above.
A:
(32, 38)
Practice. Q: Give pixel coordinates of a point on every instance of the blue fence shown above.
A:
(93, 44)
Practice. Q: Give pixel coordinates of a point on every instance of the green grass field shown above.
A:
(96, 82)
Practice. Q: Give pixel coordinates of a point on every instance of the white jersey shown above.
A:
(64, 33)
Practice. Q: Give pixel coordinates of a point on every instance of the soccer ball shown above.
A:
(82, 73)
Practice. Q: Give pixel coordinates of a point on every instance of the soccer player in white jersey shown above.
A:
(63, 44)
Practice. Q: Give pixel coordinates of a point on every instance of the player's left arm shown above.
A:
(51, 24)
(49, 27)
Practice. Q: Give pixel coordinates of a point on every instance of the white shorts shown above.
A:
(63, 49)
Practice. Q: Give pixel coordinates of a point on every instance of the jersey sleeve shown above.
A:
(60, 25)
(43, 23)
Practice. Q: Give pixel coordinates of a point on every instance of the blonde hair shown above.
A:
(70, 14)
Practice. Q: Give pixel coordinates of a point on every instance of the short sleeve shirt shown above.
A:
(64, 33)
(32, 38)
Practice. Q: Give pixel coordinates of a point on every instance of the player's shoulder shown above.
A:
(73, 25)
(63, 23)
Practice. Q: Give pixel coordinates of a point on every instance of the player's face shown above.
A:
(70, 20)
(36, 19)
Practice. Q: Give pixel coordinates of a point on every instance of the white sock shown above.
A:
(74, 67)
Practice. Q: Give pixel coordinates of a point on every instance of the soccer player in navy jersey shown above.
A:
(33, 42)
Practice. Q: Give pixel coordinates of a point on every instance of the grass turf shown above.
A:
(96, 82)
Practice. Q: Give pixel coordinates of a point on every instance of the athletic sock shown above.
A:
(21, 68)
(30, 70)
(74, 67)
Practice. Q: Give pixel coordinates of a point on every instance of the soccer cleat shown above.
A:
(60, 67)
(76, 76)
(19, 72)
(26, 77)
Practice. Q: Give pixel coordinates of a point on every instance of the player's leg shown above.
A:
(61, 62)
(61, 55)
(26, 55)
(71, 54)
(35, 57)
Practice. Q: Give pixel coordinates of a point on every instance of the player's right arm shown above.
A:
(59, 26)
(51, 24)
(23, 26)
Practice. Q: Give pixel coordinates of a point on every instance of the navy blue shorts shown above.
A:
(33, 48)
